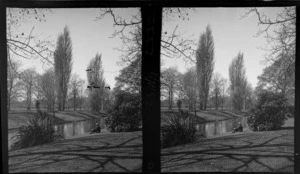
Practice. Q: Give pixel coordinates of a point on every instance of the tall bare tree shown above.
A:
(169, 83)
(223, 91)
(238, 81)
(29, 77)
(205, 65)
(13, 82)
(190, 87)
(47, 84)
(249, 97)
(63, 66)
(75, 83)
(96, 83)
(216, 86)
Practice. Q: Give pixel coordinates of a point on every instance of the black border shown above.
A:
(297, 95)
(151, 10)
(3, 90)
(152, 23)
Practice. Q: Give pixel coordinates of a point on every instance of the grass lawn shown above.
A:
(269, 151)
(104, 152)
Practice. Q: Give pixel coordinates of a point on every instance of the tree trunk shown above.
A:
(222, 103)
(101, 104)
(8, 103)
(200, 101)
(74, 100)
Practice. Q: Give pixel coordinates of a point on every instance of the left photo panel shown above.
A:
(74, 90)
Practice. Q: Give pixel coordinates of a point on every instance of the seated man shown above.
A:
(238, 129)
(97, 130)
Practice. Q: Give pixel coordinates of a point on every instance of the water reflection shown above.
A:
(69, 129)
(210, 129)
(79, 128)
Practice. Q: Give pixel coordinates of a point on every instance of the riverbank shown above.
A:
(202, 116)
(104, 152)
(268, 151)
(17, 118)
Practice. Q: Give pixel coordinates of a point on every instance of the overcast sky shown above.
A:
(89, 36)
(231, 34)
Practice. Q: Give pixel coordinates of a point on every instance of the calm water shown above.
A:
(221, 127)
(79, 128)
(68, 130)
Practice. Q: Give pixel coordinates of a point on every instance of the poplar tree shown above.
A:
(205, 65)
(63, 66)
(238, 82)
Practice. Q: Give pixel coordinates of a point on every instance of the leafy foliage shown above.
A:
(39, 130)
(180, 130)
(125, 114)
(130, 76)
(270, 111)
(279, 77)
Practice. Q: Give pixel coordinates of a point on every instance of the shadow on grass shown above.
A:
(267, 152)
(89, 154)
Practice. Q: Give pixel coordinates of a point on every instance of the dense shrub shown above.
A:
(39, 130)
(180, 130)
(125, 114)
(269, 113)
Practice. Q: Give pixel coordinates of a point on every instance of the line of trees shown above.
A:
(52, 87)
(57, 86)
(201, 84)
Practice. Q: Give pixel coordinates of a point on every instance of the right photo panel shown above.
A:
(228, 89)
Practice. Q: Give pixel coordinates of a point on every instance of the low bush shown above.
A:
(269, 113)
(39, 130)
(125, 114)
(180, 130)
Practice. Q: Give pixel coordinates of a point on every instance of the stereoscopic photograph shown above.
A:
(74, 90)
(228, 89)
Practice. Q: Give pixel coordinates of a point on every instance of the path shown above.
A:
(107, 152)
